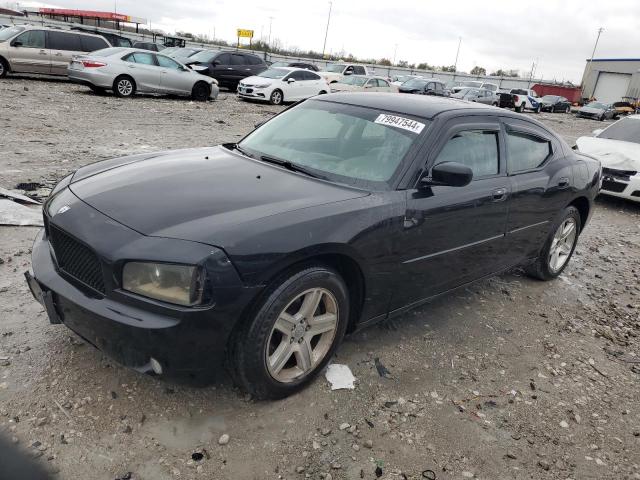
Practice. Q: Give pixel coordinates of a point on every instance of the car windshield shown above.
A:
(354, 80)
(183, 53)
(279, 64)
(335, 68)
(471, 84)
(7, 33)
(343, 143)
(401, 78)
(415, 83)
(627, 130)
(205, 56)
(598, 105)
(550, 98)
(274, 73)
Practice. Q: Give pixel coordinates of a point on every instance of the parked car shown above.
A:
(362, 83)
(27, 49)
(398, 80)
(127, 71)
(520, 99)
(474, 84)
(114, 39)
(624, 108)
(284, 84)
(153, 47)
(555, 103)
(336, 72)
(340, 212)
(597, 111)
(479, 95)
(228, 68)
(618, 149)
(424, 86)
(306, 66)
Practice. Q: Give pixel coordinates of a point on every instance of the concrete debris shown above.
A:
(12, 213)
(340, 377)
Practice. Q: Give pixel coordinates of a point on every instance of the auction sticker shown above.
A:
(400, 122)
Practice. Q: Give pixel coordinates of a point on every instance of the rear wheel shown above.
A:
(601, 118)
(539, 109)
(568, 109)
(520, 108)
(4, 68)
(558, 248)
(201, 92)
(293, 333)
(276, 97)
(124, 86)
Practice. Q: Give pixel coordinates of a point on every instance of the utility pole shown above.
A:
(533, 66)
(326, 33)
(455, 68)
(588, 72)
(270, 22)
(395, 50)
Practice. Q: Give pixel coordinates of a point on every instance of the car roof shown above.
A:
(425, 106)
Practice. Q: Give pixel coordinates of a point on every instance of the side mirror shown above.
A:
(367, 86)
(215, 63)
(450, 174)
(348, 72)
(291, 80)
(597, 131)
(16, 43)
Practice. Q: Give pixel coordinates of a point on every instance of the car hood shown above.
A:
(345, 87)
(614, 154)
(591, 110)
(195, 194)
(255, 80)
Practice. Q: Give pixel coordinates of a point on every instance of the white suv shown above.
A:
(337, 71)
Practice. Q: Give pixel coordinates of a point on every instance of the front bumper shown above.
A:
(253, 93)
(130, 329)
(619, 184)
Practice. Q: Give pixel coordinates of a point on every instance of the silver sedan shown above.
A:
(126, 71)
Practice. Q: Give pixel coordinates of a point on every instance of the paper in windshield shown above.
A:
(400, 122)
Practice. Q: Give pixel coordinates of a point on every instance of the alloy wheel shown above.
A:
(276, 98)
(302, 335)
(125, 87)
(562, 244)
(1, 68)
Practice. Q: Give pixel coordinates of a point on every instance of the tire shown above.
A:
(201, 92)
(97, 90)
(545, 266)
(520, 109)
(270, 364)
(601, 118)
(4, 68)
(276, 97)
(538, 109)
(124, 86)
(568, 109)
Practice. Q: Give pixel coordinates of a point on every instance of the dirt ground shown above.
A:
(510, 378)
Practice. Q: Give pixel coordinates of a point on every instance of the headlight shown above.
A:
(261, 86)
(61, 185)
(179, 284)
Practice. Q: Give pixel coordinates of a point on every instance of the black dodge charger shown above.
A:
(339, 212)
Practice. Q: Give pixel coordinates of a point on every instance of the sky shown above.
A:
(557, 34)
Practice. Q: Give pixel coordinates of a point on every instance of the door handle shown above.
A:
(229, 68)
(499, 194)
(131, 66)
(563, 182)
(42, 52)
(58, 54)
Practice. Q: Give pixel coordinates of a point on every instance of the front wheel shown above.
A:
(538, 109)
(568, 109)
(4, 68)
(276, 97)
(293, 334)
(602, 117)
(558, 248)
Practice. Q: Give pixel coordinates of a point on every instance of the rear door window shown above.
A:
(311, 76)
(237, 59)
(297, 76)
(359, 70)
(32, 39)
(223, 59)
(91, 44)
(166, 62)
(253, 60)
(526, 151)
(139, 57)
(65, 41)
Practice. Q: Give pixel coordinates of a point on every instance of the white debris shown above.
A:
(12, 213)
(340, 377)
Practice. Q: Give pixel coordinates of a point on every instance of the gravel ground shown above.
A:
(509, 378)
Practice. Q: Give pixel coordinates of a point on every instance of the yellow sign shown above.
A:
(245, 33)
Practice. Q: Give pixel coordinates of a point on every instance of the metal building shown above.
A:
(612, 79)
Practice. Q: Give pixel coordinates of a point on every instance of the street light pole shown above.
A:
(455, 65)
(586, 76)
(326, 33)
(395, 50)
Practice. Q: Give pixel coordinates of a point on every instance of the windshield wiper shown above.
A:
(237, 147)
(294, 167)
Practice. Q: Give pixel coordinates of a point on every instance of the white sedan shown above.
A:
(282, 84)
(362, 83)
(618, 149)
